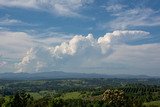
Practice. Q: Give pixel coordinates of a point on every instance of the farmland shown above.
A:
(67, 92)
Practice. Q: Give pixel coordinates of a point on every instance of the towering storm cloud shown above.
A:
(79, 52)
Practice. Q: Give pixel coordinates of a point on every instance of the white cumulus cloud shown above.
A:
(111, 53)
(79, 52)
(14, 45)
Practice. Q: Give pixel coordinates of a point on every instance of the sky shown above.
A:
(86, 36)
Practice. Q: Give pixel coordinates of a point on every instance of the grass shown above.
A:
(152, 104)
(36, 96)
(71, 95)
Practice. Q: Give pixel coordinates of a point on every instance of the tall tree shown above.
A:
(21, 99)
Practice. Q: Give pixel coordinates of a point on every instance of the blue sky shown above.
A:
(80, 36)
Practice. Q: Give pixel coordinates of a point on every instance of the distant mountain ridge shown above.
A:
(61, 74)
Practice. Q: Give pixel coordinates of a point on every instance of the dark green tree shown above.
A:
(57, 103)
(41, 103)
(21, 99)
(1, 101)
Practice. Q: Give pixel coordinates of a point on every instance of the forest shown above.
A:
(82, 92)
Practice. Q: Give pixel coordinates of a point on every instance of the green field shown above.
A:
(71, 95)
(65, 96)
(152, 104)
(73, 92)
(36, 96)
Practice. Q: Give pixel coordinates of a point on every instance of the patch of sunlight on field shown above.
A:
(36, 96)
(152, 104)
(71, 95)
